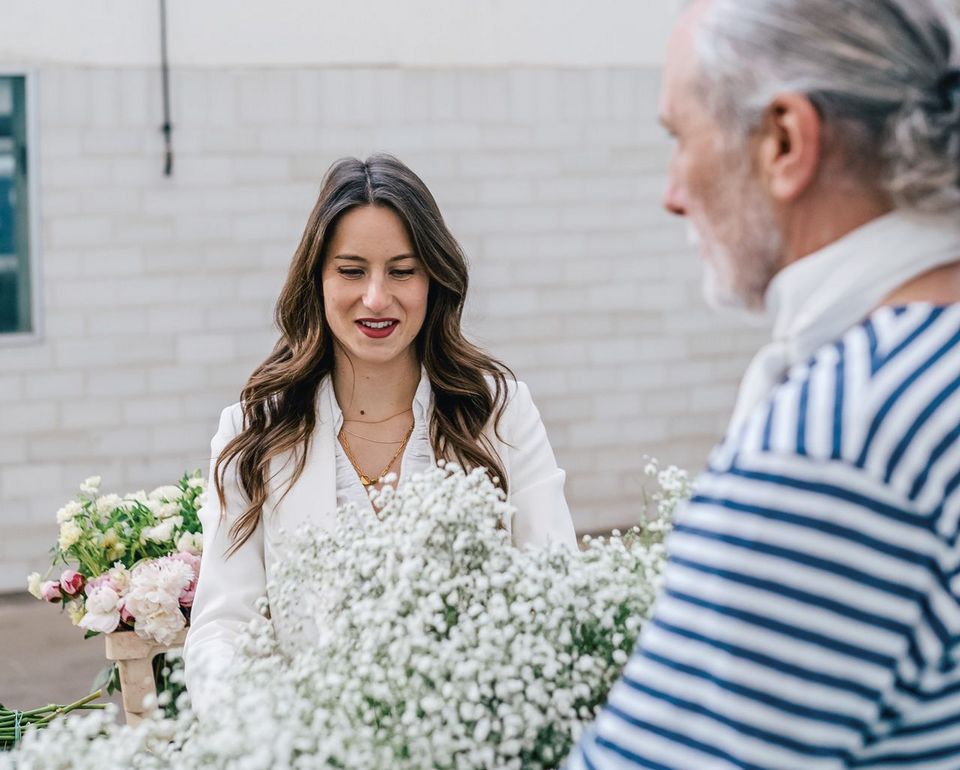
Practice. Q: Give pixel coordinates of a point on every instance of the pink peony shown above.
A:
(192, 561)
(125, 615)
(50, 591)
(154, 597)
(71, 582)
(98, 581)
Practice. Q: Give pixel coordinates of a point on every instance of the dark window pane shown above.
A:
(15, 313)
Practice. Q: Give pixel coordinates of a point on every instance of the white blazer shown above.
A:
(229, 588)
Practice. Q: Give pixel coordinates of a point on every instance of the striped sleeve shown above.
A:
(802, 606)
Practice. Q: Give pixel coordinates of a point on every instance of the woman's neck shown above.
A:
(374, 392)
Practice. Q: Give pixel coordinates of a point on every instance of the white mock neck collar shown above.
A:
(816, 299)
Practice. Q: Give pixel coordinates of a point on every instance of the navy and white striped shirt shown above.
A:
(811, 614)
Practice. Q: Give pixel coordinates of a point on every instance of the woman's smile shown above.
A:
(377, 328)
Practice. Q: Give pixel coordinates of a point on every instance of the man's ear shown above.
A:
(790, 147)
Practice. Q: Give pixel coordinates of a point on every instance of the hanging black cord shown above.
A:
(167, 126)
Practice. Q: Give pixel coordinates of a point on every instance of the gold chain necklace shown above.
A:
(378, 422)
(364, 478)
(371, 440)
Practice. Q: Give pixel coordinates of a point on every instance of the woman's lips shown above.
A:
(377, 328)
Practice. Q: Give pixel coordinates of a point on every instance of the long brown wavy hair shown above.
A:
(279, 398)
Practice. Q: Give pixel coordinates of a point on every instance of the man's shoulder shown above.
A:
(884, 398)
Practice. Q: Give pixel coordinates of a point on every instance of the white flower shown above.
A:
(68, 511)
(197, 482)
(424, 639)
(103, 612)
(190, 543)
(162, 532)
(34, 581)
(70, 533)
(166, 510)
(119, 577)
(107, 504)
(169, 493)
(91, 485)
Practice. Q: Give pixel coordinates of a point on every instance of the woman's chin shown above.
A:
(376, 353)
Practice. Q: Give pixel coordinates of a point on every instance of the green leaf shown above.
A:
(102, 680)
(108, 680)
(90, 635)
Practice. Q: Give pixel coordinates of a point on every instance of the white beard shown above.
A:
(734, 278)
(717, 282)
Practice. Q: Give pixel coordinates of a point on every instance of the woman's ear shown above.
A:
(790, 146)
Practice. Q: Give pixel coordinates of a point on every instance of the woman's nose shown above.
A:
(376, 298)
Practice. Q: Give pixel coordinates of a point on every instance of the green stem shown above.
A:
(7, 728)
(25, 714)
(73, 706)
(46, 713)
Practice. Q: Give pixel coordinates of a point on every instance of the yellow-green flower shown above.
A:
(75, 610)
(110, 542)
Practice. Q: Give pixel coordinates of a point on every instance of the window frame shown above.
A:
(34, 258)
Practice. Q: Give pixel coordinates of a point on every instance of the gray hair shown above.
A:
(884, 75)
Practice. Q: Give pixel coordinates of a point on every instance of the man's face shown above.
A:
(712, 183)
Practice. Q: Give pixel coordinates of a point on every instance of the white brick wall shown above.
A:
(158, 292)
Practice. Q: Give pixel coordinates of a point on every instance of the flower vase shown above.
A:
(134, 658)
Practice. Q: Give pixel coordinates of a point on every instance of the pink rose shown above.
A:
(193, 562)
(71, 582)
(50, 591)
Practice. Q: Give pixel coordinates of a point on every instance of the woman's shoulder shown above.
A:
(510, 388)
(515, 401)
(231, 420)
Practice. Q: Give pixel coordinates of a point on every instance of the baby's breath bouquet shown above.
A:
(413, 637)
(128, 563)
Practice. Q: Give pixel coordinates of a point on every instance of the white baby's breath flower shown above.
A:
(424, 639)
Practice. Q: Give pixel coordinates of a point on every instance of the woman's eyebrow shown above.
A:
(356, 258)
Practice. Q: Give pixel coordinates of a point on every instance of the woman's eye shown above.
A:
(405, 273)
(350, 272)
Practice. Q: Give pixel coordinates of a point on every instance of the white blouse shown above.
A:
(417, 455)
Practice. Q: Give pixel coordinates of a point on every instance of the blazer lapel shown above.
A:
(313, 498)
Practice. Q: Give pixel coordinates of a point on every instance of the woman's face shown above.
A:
(374, 286)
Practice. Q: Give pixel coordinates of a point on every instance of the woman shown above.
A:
(371, 376)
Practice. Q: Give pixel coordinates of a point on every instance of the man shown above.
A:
(811, 615)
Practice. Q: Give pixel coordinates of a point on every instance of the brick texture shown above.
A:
(158, 292)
